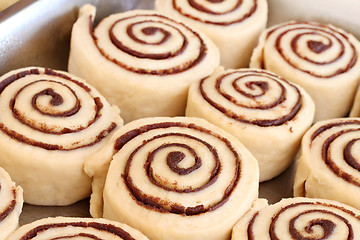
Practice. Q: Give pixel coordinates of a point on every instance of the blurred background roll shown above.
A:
(233, 25)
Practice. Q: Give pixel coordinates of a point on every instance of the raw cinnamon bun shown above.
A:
(11, 202)
(76, 228)
(185, 176)
(268, 114)
(233, 25)
(299, 219)
(50, 123)
(140, 60)
(323, 59)
(328, 166)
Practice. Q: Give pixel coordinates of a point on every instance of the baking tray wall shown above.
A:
(37, 33)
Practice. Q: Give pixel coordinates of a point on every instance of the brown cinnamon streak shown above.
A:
(326, 127)
(10, 207)
(203, 9)
(327, 158)
(259, 122)
(326, 224)
(82, 226)
(317, 47)
(326, 146)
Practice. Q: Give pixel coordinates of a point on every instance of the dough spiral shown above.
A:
(321, 58)
(11, 202)
(180, 174)
(255, 104)
(328, 163)
(140, 56)
(51, 122)
(299, 218)
(233, 25)
(78, 228)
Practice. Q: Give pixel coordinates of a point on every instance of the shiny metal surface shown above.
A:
(37, 33)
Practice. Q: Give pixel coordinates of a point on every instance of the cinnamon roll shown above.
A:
(11, 202)
(268, 114)
(140, 60)
(323, 59)
(185, 176)
(233, 25)
(299, 219)
(50, 123)
(76, 228)
(328, 164)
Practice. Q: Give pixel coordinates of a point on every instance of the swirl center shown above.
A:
(174, 159)
(152, 31)
(327, 225)
(318, 47)
(56, 98)
(165, 159)
(253, 85)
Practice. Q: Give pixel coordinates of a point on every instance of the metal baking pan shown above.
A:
(37, 33)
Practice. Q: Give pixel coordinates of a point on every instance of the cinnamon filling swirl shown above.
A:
(173, 160)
